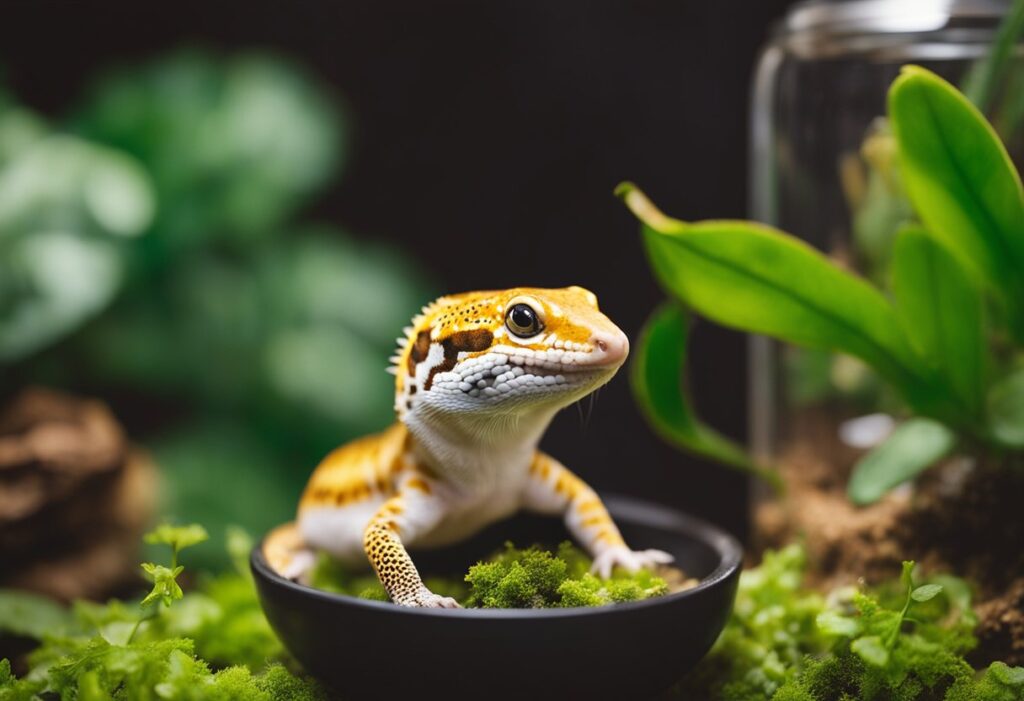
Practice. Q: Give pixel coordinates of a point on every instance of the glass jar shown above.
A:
(822, 169)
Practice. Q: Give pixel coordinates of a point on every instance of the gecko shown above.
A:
(478, 378)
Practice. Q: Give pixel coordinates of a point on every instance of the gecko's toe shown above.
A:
(429, 600)
(629, 560)
(656, 557)
(299, 566)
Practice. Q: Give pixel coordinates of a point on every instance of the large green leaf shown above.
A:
(1006, 410)
(656, 377)
(962, 182)
(914, 446)
(757, 279)
(31, 615)
(66, 209)
(51, 282)
(940, 309)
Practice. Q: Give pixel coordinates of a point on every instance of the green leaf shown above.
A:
(178, 537)
(961, 182)
(656, 378)
(926, 592)
(51, 282)
(30, 615)
(913, 446)
(757, 279)
(940, 310)
(165, 585)
(1006, 410)
(834, 623)
(872, 650)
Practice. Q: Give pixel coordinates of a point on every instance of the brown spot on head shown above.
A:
(472, 341)
(420, 349)
(467, 342)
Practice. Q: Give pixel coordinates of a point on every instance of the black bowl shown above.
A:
(370, 649)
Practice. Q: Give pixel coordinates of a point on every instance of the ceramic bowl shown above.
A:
(369, 649)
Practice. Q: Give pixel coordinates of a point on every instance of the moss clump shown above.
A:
(897, 642)
(531, 577)
(535, 578)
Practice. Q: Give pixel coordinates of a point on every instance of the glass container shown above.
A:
(822, 169)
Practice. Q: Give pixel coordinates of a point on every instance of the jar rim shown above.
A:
(886, 16)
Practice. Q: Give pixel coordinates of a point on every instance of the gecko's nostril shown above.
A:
(611, 347)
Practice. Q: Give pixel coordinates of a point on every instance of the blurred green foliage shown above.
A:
(152, 250)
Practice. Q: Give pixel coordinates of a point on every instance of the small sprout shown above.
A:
(907, 574)
(165, 584)
(178, 537)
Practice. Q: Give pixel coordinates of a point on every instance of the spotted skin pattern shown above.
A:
(478, 378)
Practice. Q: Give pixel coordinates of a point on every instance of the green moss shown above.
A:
(212, 644)
(512, 578)
(899, 642)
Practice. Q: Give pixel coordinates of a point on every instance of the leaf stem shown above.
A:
(147, 615)
(984, 78)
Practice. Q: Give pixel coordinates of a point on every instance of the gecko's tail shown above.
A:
(287, 553)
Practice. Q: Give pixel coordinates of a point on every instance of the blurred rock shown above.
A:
(75, 497)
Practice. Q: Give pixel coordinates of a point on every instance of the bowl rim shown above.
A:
(651, 513)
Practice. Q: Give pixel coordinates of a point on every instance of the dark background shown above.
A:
(487, 139)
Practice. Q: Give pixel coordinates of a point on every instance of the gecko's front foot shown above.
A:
(299, 567)
(424, 598)
(629, 560)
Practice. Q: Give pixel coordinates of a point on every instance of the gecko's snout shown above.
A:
(610, 347)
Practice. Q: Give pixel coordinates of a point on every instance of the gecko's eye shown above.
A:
(523, 321)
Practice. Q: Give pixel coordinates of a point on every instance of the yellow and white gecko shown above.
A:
(479, 376)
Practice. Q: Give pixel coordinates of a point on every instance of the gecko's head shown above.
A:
(506, 352)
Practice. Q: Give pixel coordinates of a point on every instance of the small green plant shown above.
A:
(787, 643)
(213, 643)
(949, 336)
(166, 589)
(532, 577)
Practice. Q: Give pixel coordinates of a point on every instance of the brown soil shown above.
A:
(676, 579)
(74, 497)
(963, 518)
